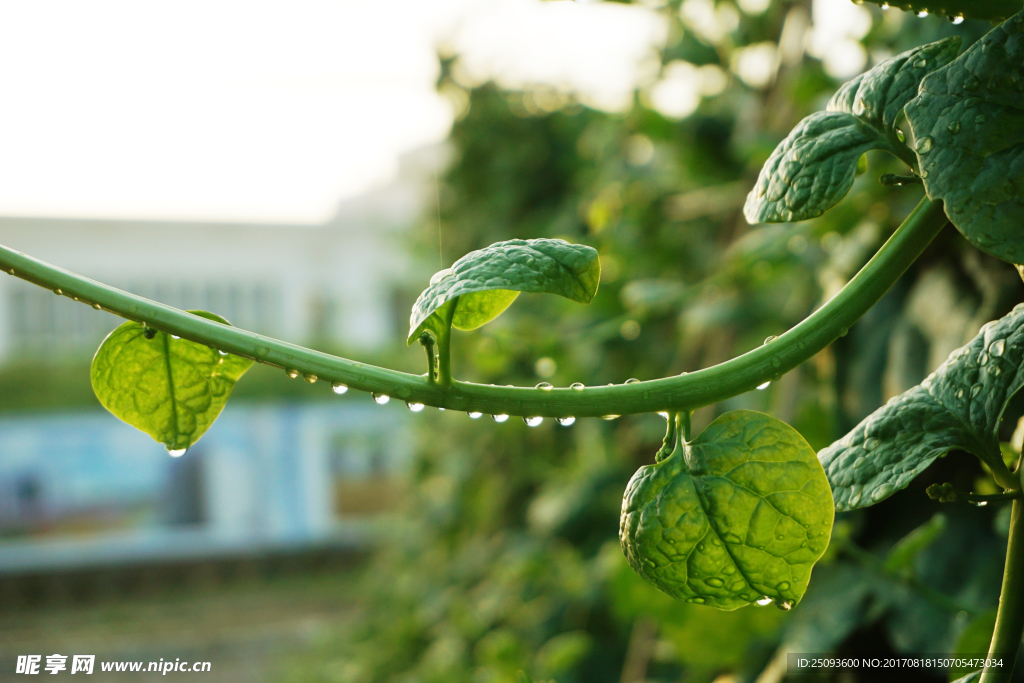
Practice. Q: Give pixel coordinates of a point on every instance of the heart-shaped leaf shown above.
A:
(967, 127)
(960, 405)
(172, 389)
(483, 283)
(740, 513)
(814, 167)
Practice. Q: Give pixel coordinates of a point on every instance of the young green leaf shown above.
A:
(814, 167)
(483, 283)
(878, 96)
(172, 389)
(960, 405)
(967, 127)
(740, 513)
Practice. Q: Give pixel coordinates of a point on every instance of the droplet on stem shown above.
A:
(415, 407)
(544, 386)
(310, 378)
(292, 373)
(565, 421)
(578, 386)
(380, 399)
(499, 418)
(761, 387)
(475, 415)
(339, 388)
(533, 421)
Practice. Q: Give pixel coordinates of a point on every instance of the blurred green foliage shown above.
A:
(505, 558)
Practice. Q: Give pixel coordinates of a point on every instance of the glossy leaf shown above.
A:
(484, 283)
(878, 96)
(967, 125)
(172, 389)
(741, 512)
(814, 167)
(959, 406)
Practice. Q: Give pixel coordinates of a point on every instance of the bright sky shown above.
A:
(270, 112)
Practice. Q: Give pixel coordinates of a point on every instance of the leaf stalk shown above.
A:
(1009, 627)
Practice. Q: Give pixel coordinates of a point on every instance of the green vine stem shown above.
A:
(1010, 618)
(682, 393)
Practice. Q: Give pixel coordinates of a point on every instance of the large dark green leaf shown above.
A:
(814, 167)
(172, 389)
(959, 406)
(967, 125)
(483, 283)
(741, 512)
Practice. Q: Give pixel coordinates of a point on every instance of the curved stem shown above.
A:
(1010, 618)
(683, 393)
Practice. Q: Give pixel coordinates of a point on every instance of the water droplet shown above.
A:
(776, 363)
(414, 407)
(858, 107)
(339, 388)
(995, 370)
(883, 491)
(885, 6)
(975, 390)
(854, 499)
(922, 13)
(380, 399)
(544, 386)
(871, 443)
(292, 373)
(10, 271)
(174, 336)
(959, 393)
(764, 601)
(176, 452)
(631, 380)
(310, 378)
(920, 63)
(997, 347)
(699, 601)
(925, 145)
(761, 387)
(900, 136)
(979, 503)
(782, 586)
(700, 546)
(578, 386)
(983, 359)
(499, 418)
(222, 352)
(533, 421)
(609, 417)
(663, 414)
(784, 605)
(262, 351)
(770, 338)
(923, 174)
(58, 291)
(715, 582)
(97, 306)
(565, 421)
(954, 127)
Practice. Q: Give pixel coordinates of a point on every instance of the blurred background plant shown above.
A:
(501, 552)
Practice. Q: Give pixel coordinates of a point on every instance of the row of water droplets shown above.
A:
(956, 19)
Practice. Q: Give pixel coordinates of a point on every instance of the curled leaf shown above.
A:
(739, 514)
(172, 389)
(960, 405)
(483, 283)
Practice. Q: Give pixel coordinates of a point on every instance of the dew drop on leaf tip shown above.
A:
(565, 421)
(499, 418)
(764, 601)
(176, 452)
(957, 20)
(533, 421)
(475, 415)
(415, 407)
(761, 387)
(339, 388)
(922, 13)
(380, 399)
